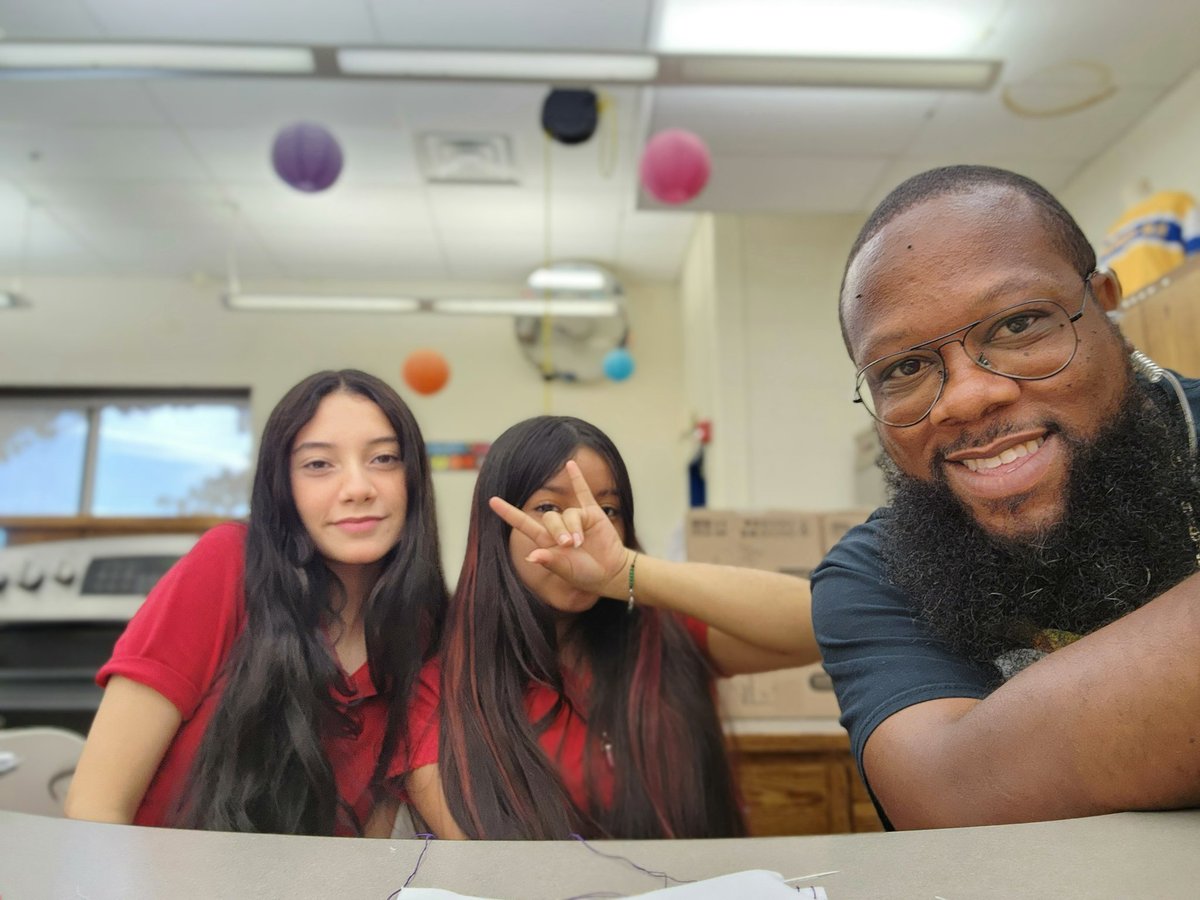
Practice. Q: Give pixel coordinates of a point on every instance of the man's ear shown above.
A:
(1106, 288)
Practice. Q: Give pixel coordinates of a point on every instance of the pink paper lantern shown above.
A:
(675, 165)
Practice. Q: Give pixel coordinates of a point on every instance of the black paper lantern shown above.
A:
(570, 116)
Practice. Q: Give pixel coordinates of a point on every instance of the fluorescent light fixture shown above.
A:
(564, 279)
(476, 306)
(935, 74)
(917, 28)
(320, 303)
(521, 306)
(499, 65)
(35, 56)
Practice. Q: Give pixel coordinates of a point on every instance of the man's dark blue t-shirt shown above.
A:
(880, 657)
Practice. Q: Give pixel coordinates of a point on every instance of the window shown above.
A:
(124, 454)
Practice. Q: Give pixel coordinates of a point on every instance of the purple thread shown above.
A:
(651, 872)
(413, 874)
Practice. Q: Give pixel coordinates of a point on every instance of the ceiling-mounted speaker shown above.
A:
(570, 116)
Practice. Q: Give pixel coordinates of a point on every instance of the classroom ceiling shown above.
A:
(166, 176)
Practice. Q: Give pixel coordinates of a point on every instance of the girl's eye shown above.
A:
(315, 464)
(543, 508)
(612, 512)
(387, 459)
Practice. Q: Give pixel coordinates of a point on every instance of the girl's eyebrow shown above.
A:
(329, 445)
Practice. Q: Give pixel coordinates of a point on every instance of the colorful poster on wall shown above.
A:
(452, 456)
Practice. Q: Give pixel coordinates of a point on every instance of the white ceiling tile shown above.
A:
(25, 20)
(129, 153)
(266, 102)
(1145, 44)
(77, 102)
(560, 24)
(805, 121)
(47, 247)
(341, 207)
(788, 184)
(979, 124)
(366, 253)
(278, 21)
(99, 204)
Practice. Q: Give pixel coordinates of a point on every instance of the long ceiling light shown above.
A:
(472, 306)
(526, 65)
(521, 306)
(320, 303)
(963, 74)
(115, 58)
(128, 59)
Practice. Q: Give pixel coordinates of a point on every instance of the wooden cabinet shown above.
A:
(1163, 319)
(801, 784)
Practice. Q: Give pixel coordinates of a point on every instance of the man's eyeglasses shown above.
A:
(1029, 341)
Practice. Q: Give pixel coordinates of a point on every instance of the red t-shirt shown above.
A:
(565, 739)
(177, 644)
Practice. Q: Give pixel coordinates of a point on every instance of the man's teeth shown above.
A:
(1005, 456)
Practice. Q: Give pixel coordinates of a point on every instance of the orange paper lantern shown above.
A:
(426, 371)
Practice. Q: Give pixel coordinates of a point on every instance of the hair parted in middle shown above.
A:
(261, 765)
(649, 696)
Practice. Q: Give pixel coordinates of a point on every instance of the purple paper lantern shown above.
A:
(307, 156)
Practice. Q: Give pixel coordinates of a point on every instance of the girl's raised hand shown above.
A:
(580, 544)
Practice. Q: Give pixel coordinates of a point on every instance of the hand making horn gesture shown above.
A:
(579, 544)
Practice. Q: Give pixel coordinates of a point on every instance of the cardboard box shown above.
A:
(787, 542)
(789, 693)
(837, 523)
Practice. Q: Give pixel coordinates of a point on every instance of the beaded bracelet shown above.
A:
(631, 566)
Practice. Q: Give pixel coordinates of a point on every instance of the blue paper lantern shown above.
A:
(307, 156)
(618, 364)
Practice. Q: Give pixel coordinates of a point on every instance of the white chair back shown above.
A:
(36, 765)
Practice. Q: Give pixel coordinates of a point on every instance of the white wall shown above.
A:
(162, 333)
(1160, 153)
(763, 340)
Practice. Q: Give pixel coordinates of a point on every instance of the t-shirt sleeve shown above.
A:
(697, 630)
(424, 722)
(881, 659)
(181, 635)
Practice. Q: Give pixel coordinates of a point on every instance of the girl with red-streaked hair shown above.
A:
(566, 713)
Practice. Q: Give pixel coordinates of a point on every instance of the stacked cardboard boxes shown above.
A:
(780, 541)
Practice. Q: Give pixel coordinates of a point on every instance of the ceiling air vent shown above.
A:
(467, 158)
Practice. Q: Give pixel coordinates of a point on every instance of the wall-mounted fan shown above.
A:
(585, 321)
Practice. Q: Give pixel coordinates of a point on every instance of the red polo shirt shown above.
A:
(177, 644)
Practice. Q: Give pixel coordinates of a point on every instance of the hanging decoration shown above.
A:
(675, 166)
(570, 116)
(307, 156)
(618, 364)
(426, 371)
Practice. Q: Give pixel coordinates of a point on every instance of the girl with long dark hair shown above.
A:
(566, 713)
(269, 681)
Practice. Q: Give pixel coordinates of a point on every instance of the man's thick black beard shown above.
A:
(1123, 540)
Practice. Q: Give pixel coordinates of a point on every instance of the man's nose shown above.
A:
(970, 391)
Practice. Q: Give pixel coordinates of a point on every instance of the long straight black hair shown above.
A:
(261, 764)
(650, 694)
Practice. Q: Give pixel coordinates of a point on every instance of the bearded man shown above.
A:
(1017, 637)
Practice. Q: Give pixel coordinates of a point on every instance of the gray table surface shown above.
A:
(1130, 855)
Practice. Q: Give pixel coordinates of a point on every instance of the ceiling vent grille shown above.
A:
(467, 158)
